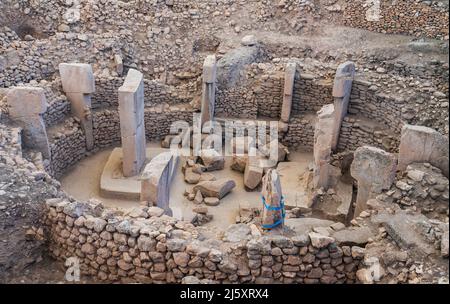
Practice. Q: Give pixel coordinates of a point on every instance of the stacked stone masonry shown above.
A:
(158, 249)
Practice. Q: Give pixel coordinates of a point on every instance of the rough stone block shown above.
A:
(77, 78)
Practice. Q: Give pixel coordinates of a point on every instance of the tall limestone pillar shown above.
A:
(26, 106)
(342, 89)
(208, 89)
(289, 80)
(322, 147)
(132, 127)
(78, 84)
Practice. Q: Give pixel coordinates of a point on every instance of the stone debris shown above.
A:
(219, 188)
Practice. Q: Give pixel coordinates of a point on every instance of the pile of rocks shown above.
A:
(422, 187)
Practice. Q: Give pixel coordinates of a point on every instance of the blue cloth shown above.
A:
(270, 208)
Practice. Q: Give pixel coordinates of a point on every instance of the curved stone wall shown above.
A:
(151, 248)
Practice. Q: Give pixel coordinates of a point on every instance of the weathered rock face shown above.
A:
(23, 192)
(423, 144)
(374, 169)
(219, 188)
(231, 64)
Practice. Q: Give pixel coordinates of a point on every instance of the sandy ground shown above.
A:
(83, 182)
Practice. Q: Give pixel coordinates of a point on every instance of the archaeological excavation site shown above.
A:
(224, 142)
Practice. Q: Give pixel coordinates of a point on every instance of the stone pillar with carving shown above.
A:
(79, 84)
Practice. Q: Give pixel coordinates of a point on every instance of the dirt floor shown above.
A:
(83, 183)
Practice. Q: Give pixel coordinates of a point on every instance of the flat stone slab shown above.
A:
(294, 187)
(353, 236)
(303, 225)
(402, 227)
(112, 182)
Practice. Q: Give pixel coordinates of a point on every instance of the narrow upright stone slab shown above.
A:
(272, 193)
(208, 89)
(132, 128)
(423, 144)
(374, 169)
(26, 106)
(156, 179)
(289, 79)
(342, 89)
(78, 83)
(322, 146)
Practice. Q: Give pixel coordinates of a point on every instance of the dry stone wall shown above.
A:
(66, 150)
(106, 94)
(418, 18)
(311, 93)
(155, 248)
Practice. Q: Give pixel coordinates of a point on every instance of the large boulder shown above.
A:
(212, 160)
(422, 144)
(219, 188)
(253, 173)
(374, 169)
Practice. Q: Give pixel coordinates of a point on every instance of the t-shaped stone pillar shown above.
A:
(289, 79)
(26, 106)
(374, 169)
(322, 146)
(132, 127)
(273, 198)
(342, 89)
(208, 90)
(78, 84)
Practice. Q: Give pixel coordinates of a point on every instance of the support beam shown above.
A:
(342, 89)
(78, 84)
(208, 90)
(132, 127)
(289, 80)
(26, 106)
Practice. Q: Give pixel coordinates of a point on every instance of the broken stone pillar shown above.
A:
(342, 89)
(26, 106)
(156, 179)
(322, 146)
(273, 210)
(423, 144)
(78, 84)
(132, 127)
(374, 169)
(253, 172)
(289, 79)
(208, 90)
